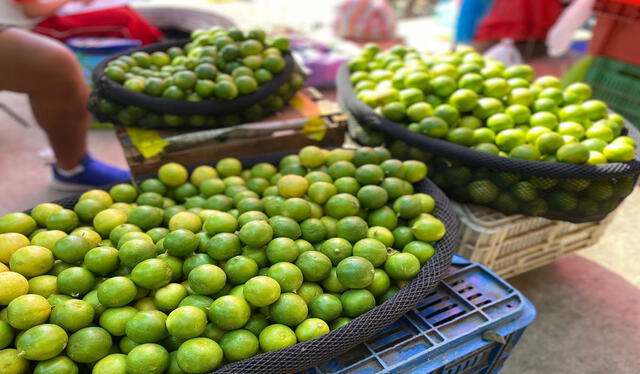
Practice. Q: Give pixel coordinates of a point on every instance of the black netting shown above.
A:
(316, 351)
(116, 92)
(576, 193)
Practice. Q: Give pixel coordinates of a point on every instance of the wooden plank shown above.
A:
(239, 149)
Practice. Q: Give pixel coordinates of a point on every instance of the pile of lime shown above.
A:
(187, 272)
(478, 102)
(131, 115)
(217, 64)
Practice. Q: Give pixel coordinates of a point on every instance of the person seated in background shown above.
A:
(41, 16)
(49, 73)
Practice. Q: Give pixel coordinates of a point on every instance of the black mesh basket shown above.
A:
(575, 193)
(316, 351)
(114, 91)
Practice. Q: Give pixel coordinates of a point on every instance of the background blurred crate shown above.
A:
(470, 324)
(618, 84)
(511, 245)
(616, 31)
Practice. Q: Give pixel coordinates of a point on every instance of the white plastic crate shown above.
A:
(511, 245)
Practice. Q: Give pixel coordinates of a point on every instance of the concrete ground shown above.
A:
(587, 303)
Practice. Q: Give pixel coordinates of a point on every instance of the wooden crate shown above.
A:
(212, 150)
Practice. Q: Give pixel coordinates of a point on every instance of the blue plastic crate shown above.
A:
(469, 325)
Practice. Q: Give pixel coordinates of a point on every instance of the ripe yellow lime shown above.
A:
(292, 185)
(173, 174)
(99, 195)
(12, 285)
(9, 243)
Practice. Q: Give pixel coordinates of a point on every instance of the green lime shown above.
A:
(64, 220)
(352, 228)
(357, 302)
(423, 251)
(261, 291)
(402, 266)
(181, 243)
(618, 152)
(89, 345)
(327, 307)
(256, 234)
(148, 198)
(41, 342)
(202, 302)
(147, 359)
(186, 322)
(115, 363)
(169, 297)
(147, 327)
(43, 285)
(239, 269)
(6, 334)
(114, 320)
(56, 365)
(384, 217)
(372, 250)
(239, 344)
(548, 143)
(276, 336)
(135, 251)
(151, 273)
(574, 153)
(116, 291)
(207, 279)
(332, 284)
(229, 312)
(381, 234)
(315, 266)
(108, 219)
(282, 250)
(296, 209)
(339, 322)
(12, 362)
(72, 315)
(199, 355)
(311, 328)
(71, 248)
(75, 281)
(355, 272)
(288, 276)
(380, 283)
(145, 217)
(223, 246)
(290, 309)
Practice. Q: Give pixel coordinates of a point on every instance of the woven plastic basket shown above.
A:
(116, 92)
(316, 351)
(576, 193)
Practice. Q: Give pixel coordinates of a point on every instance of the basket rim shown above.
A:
(451, 150)
(115, 91)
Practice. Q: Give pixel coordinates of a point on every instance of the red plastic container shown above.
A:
(616, 32)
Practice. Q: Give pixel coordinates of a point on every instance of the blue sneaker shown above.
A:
(91, 173)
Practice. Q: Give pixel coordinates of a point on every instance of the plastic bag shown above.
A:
(506, 52)
(561, 34)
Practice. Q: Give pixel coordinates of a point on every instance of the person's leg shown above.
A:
(49, 73)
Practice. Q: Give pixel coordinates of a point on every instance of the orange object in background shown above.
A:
(616, 31)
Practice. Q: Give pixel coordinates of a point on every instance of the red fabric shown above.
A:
(120, 22)
(519, 20)
(24, 1)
